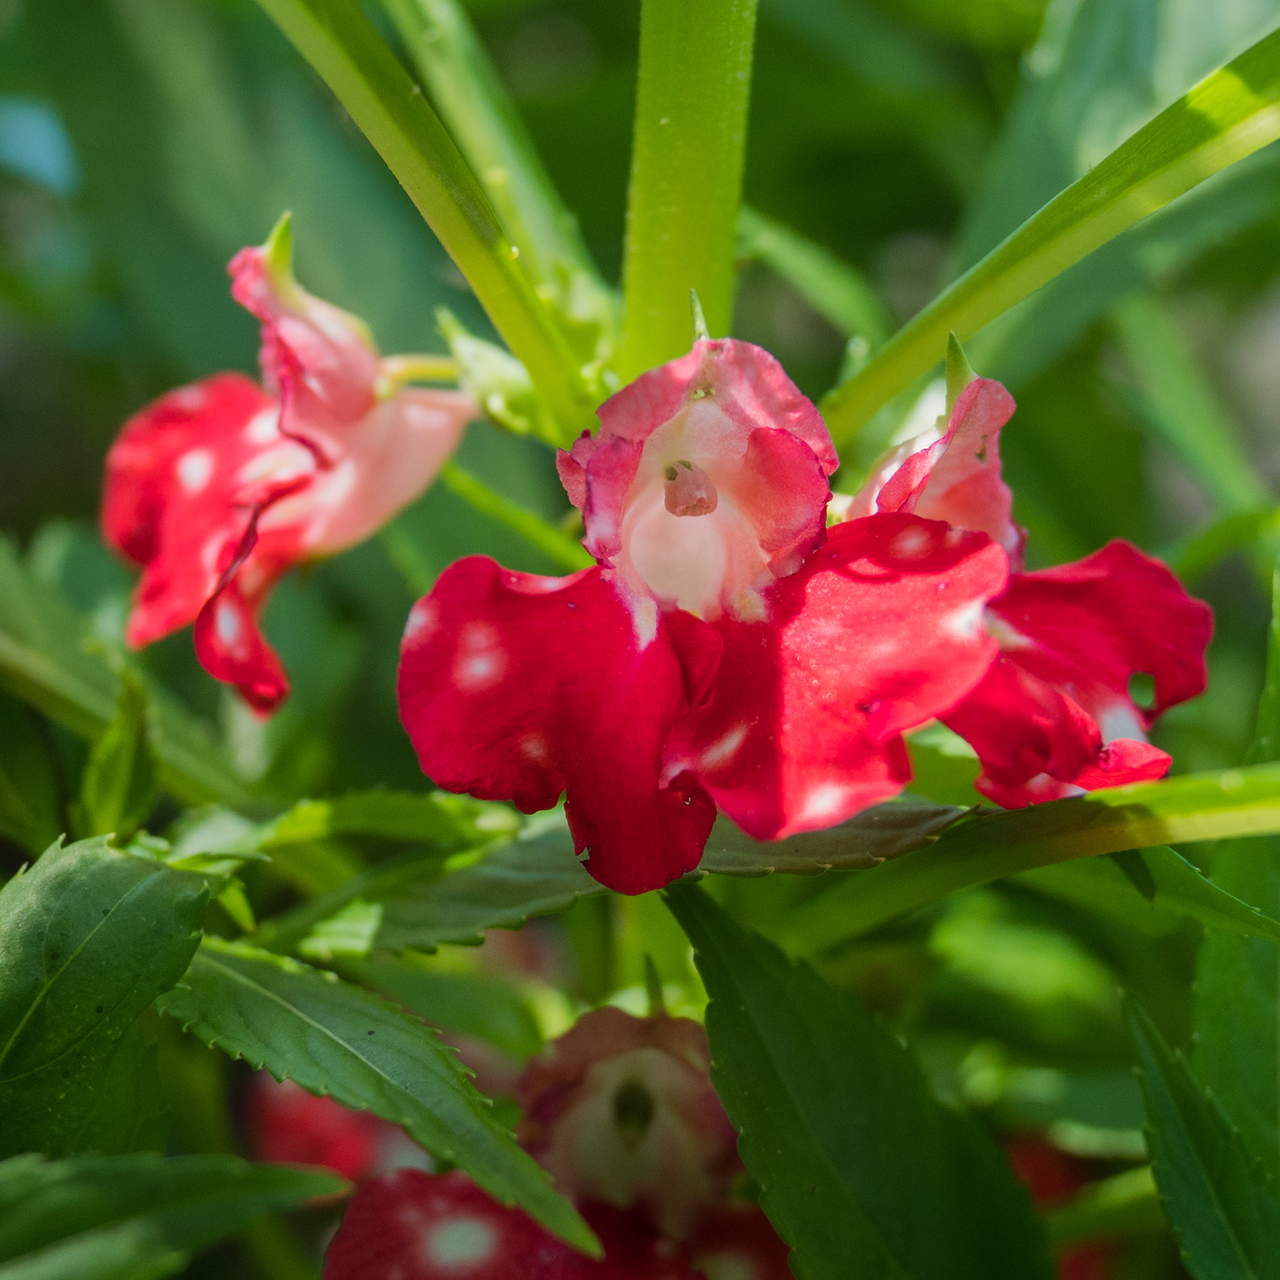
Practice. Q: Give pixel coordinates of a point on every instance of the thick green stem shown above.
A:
(686, 173)
(466, 91)
(338, 41)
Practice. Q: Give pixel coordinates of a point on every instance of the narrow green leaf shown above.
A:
(88, 938)
(1178, 404)
(474, 103)
(552, 542)
(686, 173)
(1227, 116)
(476, 1004)
(1178, 890)
(338, 41)
(47, 658)
(987, 846)
(30, 814)
(859, 1165)
(333, 1038)
(1226, 1216)
(1196, 555)
(118, 789)
(1124, 1204)
(112, 1217)
(834, 289)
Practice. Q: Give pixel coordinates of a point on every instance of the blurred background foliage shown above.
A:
(142, 142)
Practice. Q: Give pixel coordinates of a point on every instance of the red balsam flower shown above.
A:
(1053, 715)
(218, 488)
(621, 1112)
(726, 650)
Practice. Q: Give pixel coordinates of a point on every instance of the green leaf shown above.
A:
(118, 789)
(48, 660)
(476, 1004)
(831, 286)
(1181, 409)
(88, 938)
(865, 840)
(1237, 991)
(349, 55)
(436, 818)
(862, 1171)
(987, 846)
(691, 119)
(1228, 116)
(1196, 555)
(333, 1038)
(567, 554)
(30, 814)
(134, 1216)
(474, 103)
(1124, 1204)
(1178, 890)
(1225, 1214)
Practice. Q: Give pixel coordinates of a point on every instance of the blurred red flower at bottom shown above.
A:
(1053, 1175)
(411, 1225)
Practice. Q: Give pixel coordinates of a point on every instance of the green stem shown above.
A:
(567, 553)
(475, 105)
(686, 173)
(338, 41)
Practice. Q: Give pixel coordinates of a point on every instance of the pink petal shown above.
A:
(516, 687)
(410, 1225)
(878, 632)
(1057, 704)
(707, 480)
(956, 477)
(320, 360)
(666, 1161)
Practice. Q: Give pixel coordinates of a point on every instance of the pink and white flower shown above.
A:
(1053, 716)
(216, 489)
(726, 649)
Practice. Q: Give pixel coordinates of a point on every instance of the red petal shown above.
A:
(228, 642)
(417, 1226)
(288, 1124)
(515, 687)
(1057, 704)
(878, 632)
(738, 1241)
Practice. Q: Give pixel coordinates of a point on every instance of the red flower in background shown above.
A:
(621, 1111)
(725, 650)
(218, 488)
(1053, 715)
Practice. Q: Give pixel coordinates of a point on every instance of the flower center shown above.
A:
(688, 490)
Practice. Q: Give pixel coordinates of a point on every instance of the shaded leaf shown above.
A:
(134, 1216)
(88, 938)
(1226, 1216)
(29, 810)
(333, 1038)
(862, 1171)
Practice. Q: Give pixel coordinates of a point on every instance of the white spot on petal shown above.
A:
(481, 661)
(228, 623)
(644, 617)
(912, 543)
(723, 750)
(423, 620)
(462, 1242)
(194, 469)
(965, 623)
(823, 802)
(1119, 720)
(263, 427)
(535, 748)
(190, 398)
